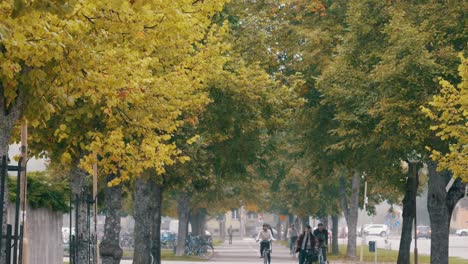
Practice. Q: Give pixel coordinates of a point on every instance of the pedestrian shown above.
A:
(292, 237)
(230, 234)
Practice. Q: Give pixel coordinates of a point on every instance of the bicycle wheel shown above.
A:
(206, 252)
(265, 256)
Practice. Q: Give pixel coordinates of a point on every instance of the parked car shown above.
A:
(423, 231)
(376, 229)
(462, 232)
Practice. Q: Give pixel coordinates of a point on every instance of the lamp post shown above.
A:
(413, 162)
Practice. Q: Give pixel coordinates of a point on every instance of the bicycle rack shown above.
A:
(13, 236)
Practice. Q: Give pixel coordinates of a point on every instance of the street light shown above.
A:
(413, 161)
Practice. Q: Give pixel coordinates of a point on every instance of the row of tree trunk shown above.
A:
(147, 214)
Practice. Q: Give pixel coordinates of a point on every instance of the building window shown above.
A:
(235, 214)
(252, 215)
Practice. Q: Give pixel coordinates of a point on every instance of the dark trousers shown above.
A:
(292, 242)
(324, 252)
(230, 239)
(302, 256)
(264, 245)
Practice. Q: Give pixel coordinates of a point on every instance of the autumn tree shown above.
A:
(448, 110)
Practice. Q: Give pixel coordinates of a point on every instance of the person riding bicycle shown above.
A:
(321, 233)
(292, 237)
(265, 237)
(306, 242)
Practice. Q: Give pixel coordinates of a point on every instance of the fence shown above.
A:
(44, 231)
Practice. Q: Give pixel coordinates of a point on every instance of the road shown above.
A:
(458, 246)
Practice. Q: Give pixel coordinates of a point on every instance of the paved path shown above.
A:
(247, 251)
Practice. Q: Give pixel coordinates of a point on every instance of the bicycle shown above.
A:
(292, 246)
(311, 256)
(198, 246)
(266, 253)
(320, 255)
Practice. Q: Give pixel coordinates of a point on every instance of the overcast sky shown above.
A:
(33, 164)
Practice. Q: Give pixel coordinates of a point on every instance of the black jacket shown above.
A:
(301, 239)
(322, 236)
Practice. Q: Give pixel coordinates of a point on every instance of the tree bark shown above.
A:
(351, 210)
(142, 215)
(335, 248)
(278, 229)
(156, 223)
(198, 221)
(9, 116)
(222, 230)
(304, 222)
(409, 209)
(183, 207)
(440, 205)
(324, 221)
(110, 250)
(80, 194)
(4, 152)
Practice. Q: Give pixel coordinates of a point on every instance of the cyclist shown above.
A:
(265, 237)
(321, 233)
(306, 242)
(292, 236)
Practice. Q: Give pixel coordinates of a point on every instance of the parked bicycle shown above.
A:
(126, 240)
(200, 246)
(168, 239)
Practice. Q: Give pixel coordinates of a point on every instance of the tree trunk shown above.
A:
(286, 228)
(4, 152)
(183, 207)
(351, 212)
(156, 223)
(202, 221)
(109, 249)
(440, 205)
(9, 116)
(198, 221)
(335, 248)
(304, 222)
(142, 215)
(278, 229)
(80, 194)
(222, 230)
(409, 209)
(324, 221)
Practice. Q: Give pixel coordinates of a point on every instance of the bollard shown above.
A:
(373, 248)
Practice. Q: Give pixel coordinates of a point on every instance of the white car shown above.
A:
(462, 232)
(377, 229)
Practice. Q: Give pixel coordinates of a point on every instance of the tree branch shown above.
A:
(151, 27)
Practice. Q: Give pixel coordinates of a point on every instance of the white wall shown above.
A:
(44, 231)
